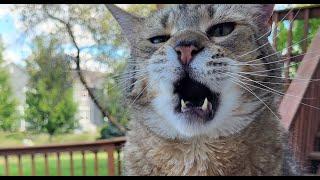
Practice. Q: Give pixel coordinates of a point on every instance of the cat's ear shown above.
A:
(129, 23)
(265, 14)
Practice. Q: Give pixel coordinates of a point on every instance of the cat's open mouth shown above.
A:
(196, 100)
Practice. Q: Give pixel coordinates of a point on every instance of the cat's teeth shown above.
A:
(183, 104)
(205, 105)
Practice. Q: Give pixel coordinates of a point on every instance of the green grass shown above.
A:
(16, 139)
(65, 165)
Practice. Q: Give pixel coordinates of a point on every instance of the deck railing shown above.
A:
(292, 15)
(111, 147)
(299, 108)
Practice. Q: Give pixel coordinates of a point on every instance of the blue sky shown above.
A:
(12, 38)
(15, 40)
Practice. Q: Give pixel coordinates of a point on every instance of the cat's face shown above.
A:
(187, 62)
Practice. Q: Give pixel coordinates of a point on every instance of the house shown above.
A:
(88, 114)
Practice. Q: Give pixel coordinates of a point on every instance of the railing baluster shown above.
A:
(20, 165)
(289, 40)
(71, 164)
(289, 50)
(46, 164)
(7, 168)
(83, 163)
(58, 164)
(96, 163)
(275, 29)
(111, 161)
(33, 165)
(119, 162)
(305, 30)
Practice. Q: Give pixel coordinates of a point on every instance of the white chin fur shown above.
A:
(173, 125)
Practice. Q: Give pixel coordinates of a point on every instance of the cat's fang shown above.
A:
(183, 104)
(205, 105)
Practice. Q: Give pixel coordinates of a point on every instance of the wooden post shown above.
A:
(96, 163)
(275, 29)
(111, 161)
(58, 164)
(46, 164)
(71, 164)
(33, 165)
(119, 162)
(289, 51)
(83, 163)
(7, 168)
(20, 165)
(305, 30)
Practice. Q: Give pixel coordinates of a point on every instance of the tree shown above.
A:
(8, 111)
(97, 26)
(50, 106)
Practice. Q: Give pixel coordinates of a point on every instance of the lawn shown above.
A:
(15, 139)
(65, 165)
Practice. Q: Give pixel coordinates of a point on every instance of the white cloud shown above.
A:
(83, 37)
(5, 9)
(11, 56)
(47, 27)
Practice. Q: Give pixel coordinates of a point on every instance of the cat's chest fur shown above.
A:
(251, 152)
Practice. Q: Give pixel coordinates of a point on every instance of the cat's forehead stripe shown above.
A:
(192, 13)
(164, 20)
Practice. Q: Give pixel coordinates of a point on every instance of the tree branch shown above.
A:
(80, 74)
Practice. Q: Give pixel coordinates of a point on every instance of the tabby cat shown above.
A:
(201, 81)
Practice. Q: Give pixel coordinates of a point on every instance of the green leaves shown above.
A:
(50, 105)
(8, 105)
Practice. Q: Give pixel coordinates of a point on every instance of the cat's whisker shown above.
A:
(137, 97)
(279, 77)
(279, 52)
(314, 107)
(135, 72)
(128, 78)
(119, 75)
(247, 53)
(249, 90)
(125, 81)
(271, 89)
(279, 68)
(136, 82)
(273, 62)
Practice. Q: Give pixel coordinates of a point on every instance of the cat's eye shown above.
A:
(159, 39)
(221, 29)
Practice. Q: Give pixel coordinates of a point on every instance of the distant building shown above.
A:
(19, 79)
(88, 114)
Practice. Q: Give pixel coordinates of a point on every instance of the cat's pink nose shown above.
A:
(186, 53)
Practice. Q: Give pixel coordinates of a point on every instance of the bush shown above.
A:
(110, 131)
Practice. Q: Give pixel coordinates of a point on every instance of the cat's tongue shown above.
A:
(204, 111)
